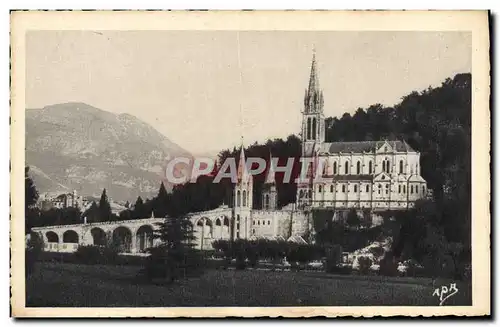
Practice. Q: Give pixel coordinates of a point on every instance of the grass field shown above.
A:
(73, 285)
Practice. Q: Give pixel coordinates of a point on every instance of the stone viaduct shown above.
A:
(133, 236)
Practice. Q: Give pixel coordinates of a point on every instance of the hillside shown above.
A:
(74, 146)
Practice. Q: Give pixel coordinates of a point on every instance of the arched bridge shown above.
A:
(133, 236)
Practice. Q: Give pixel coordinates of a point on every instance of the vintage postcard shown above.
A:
(211, 164)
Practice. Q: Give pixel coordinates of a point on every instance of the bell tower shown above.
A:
(242, 199)
(313, 131)
(313, 118)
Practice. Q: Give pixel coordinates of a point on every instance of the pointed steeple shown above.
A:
(242, 169)
(313, 98)
(313, 78)
(270, 178)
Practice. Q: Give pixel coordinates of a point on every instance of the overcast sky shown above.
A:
(193, 87)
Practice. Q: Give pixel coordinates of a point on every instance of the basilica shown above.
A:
(369, 176)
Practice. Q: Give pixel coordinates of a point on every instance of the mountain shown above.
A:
(74, 146)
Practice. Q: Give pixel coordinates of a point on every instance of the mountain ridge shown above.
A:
(75, 146)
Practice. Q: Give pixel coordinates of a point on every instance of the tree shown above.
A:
(175, 256)
(34, 246)
(31, 197)
(160, 203)
(92, 213)
(139, 210)
(104, 207)
(125, 215)
(31, 193)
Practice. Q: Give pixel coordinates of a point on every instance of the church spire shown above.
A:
(313, 78)
(313, 99)
(242, 169)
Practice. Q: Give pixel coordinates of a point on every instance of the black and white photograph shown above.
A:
(214, 165)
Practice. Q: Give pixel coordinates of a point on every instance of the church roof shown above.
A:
(352, 178)
(364, 146)
(242, 172)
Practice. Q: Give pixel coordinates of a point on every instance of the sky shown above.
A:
(205, 90)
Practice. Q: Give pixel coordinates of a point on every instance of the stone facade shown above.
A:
(367, 176)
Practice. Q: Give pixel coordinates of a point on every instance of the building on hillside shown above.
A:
(64, 200)
(368, 176)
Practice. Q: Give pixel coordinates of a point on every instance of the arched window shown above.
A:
(267, 201)
(355, 188)
(411, 189)
(379, 188)
(346, 168)
(343, 188)
(367, 188)
(423, 189)
(358, 168)
(314, 129)
(320, 189)
(387, 166)
(244, 198)
(269, 222)
(383, 166)
(399, 188)
(308, 128)
(335, 168)
(218, 222)
(238, 198)
(370, 167)
(401, 166)
(404, 189)
(258, 222)
(331, 188)
(386, 188)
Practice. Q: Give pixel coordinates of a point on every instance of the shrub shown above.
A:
(333, 257)
(388, 265)
(412, 268)
(172, 264)
(377, 251)
(364, 265)
(92, 254)
(340, 269)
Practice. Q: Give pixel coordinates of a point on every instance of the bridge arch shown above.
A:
(52, 237)
(70, 236)
(122, 239)
(204, 227)
(144, 237)
(98, 236)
